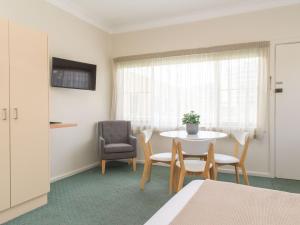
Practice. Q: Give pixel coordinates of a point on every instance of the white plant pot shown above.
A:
(192, 128)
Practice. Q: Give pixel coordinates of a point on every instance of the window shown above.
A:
(223, 87)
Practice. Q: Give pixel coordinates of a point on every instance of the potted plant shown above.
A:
(192, 121)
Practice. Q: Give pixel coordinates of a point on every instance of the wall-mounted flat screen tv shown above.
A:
(72, 74)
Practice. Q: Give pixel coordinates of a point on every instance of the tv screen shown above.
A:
(71, 74)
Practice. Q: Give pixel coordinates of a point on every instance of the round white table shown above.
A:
(201, 135)
(194, 151)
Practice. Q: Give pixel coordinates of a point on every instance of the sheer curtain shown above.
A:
(228, 88)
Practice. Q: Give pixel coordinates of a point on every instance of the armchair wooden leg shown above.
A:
(134, 164)
(103, 164)
(237, 175)
(129, 162)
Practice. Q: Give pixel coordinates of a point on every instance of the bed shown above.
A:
(168, 212)
(220, 203)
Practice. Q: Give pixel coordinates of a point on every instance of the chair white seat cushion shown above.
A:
(225, 159)
(162, 157)
(193, 165)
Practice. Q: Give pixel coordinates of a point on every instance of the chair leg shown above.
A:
(103, 164)
(216, 172)
(246, 180)
(237, 175)
(207, 175)
(171, 179)
(149, 172)
(144, 176)
(212, 173)
(134, 164)
(175, 178)
(181, 180)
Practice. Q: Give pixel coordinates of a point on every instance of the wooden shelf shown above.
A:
(62, 125)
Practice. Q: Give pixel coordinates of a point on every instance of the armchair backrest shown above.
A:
(115, 131)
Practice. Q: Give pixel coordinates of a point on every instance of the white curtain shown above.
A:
(227, 88)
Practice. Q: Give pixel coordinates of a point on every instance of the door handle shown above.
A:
(278, 90)
(16, 115)
(4, 114)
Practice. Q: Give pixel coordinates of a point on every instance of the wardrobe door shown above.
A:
(287, 111)
(4, 118)
(29, 113)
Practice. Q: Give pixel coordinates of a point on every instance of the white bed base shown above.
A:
(166, 214)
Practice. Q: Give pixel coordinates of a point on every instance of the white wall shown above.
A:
(277, 23)
(69, 37)
(269, 25)
(71, 148)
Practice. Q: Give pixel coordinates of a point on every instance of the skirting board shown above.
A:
(23, 208)
(71, 173)
(223, 170)
(93, 165)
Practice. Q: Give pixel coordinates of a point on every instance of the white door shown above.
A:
(288, 111)
(4, 118)
(29, 81)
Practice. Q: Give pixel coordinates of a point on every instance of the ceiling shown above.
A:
(116, 16)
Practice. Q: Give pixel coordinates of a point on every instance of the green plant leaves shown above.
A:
(191, 118)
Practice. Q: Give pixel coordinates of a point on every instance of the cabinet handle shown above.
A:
(16, 114)
(4, 114)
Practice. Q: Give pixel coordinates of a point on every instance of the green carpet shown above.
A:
(115, 199)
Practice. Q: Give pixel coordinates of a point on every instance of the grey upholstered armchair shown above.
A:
(116, 142)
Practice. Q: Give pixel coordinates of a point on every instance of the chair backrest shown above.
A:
(242, 138)
(195, 147)
(147, 135)
(147, 147)
(145, 143)
(115, 131)
(209, 149)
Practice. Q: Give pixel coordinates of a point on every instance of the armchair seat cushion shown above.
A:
(118, 147)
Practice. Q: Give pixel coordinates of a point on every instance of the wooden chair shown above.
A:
(195, 167)
(195, 148)
(150, 158)
(241, 139)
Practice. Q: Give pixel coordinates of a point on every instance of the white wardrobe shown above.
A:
(24, 123)
(287, 110)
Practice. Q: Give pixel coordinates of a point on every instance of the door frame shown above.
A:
(272, 102)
